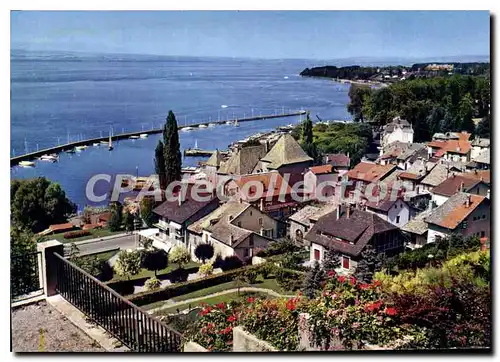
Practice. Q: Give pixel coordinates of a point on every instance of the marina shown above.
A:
(83, 144)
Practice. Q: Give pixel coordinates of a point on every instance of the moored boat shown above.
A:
(26, 164)
(185, 129)
(143, 135)
(134, 137)
(211, 125)
(81, 148)
(202, 126)
(50, 158)
(95, 144)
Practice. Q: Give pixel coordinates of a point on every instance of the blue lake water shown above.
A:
(56, 100)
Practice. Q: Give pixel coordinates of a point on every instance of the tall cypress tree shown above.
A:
(308, 141)
(369, 264)
(173, 160)
(160, 164)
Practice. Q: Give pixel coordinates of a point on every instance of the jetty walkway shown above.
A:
(68, 146)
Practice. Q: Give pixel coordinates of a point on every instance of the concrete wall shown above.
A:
(246, 342)
(194, 347)
(249, 219)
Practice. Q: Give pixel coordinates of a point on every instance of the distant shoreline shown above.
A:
(350, 81)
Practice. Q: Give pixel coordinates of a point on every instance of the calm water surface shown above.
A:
(56, 100)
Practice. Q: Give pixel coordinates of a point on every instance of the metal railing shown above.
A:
(128, 323)
(25, 277)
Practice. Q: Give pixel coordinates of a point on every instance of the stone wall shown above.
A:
(246, 342)
(193, 347)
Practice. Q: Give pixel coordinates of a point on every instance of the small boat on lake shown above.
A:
(71, 150)
(236, 124)
(143, 135)
(202, 126)
(26, 164)
(50, 158)
(186, 129)
(229, 122)
(81, 148)
(212, 125)
(96, 144)
(134, 137)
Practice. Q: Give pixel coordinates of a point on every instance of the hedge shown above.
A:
(76, 234)
(126, 287)
(177, 289)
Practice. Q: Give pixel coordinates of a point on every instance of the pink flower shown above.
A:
(250, 300)
(352, 280)
(231, 318)
(341, 279)
(364, 286)
(221, 306)
(355, 325)
(290, 305)
(331, 274)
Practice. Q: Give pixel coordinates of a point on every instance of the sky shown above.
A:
(257, 34)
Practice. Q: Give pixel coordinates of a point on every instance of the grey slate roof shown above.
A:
(243, 161)
(484, 157)
(357, 230)
(438, 174)
(172, 211)
(481, 142)
(285, 152)
(302, 216)
(418, 225)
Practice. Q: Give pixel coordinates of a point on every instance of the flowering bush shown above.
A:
(152, 283)
(206, 269)
(76, 234)
(274, 321)
(214, 328)
(349, 314)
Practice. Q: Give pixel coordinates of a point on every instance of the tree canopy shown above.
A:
(179, 255)
(38, 203)
(155, 260)
(173, 158)
(148, 216)
(204, 251)
(159, 162)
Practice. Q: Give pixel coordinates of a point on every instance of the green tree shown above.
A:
(369, 264)
(331, 260)
(128, 220)
(115, 221)
(204, 251)
(147, 205)
(23, 268)
(37, 203)
(313, 280)
(357, 97)
(155, 260)
(173, 159)
(159, 162)
(152, 284)
(465, 114)
(483, 128)
(128, 263)
(179, 255)
(308, 140)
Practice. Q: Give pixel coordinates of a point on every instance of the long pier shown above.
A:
(69, 146)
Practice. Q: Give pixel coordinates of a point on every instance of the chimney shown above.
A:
(348, 211)
(231, 239)
(179, 197)
(462, 186)
(338, 212)
(467, 201)
(261, 230)
(261, 204)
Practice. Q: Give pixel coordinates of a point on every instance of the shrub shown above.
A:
(265, 270)
(206, 269)
(204, 252)
(128, 263)
(250, 276)
(291, 261)
(155, 260)
(152, 284)
(76, 234)
(179, 255)
(231, 262)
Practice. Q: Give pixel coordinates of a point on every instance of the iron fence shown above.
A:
(128, 323)
(25, 277)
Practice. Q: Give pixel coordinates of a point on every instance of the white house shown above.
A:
(398, 130)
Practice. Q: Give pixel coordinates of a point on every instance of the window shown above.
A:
(316, 254)
(246, 253)
(346, 262)
(250, 241)
(397, 219)
(483, 217)
(299, 236)
(483, 234)
(250, 212)
(260, 221)
(239, 223)
(437, 238)
(396, 206)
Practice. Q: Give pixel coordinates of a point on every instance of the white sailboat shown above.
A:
(143, 135)
(236, 124)
(110, 143)
(26, 164)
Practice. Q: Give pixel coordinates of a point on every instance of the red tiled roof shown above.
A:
(318, 170)
(409, 175)
(484, 175)
(452, 185)
(456, 146)
(265, 179)
(370, 172)
(455, 210)
(60, 227)
(338, 159)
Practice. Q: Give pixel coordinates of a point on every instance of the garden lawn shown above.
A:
(96, 233)
(144, 273)
(265, 284)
